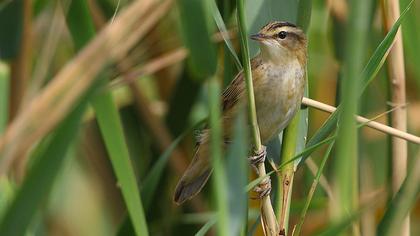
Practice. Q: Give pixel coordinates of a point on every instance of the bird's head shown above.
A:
(281, 42)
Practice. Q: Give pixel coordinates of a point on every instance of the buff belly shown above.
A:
(281, 93)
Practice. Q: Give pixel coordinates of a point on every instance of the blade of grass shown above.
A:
(38, 182)
(112, 133)
(269, 221)
(222, 28)
(308, 200)
(151, 181)
(411, 38)
(206, 227)
(303, 20)
(237, 177)
(286, 174)
(327, 127)
(82, 30)
(346, 167)
(148, 189)
(8, 191)
(220, 187)
(303, 128)
(196, 31)
(381, 52)
(80, 23)
(229, 71)
(402, 203)
(4, 95)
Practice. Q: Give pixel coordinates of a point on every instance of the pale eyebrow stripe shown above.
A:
(281, 24)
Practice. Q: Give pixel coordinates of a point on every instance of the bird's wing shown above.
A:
(236, 88)
(233, 92)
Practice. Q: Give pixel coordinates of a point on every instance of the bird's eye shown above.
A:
(282, 34)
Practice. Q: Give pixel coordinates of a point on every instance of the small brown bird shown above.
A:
(278, 73)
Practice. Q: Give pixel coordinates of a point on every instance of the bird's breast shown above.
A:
(278, 95)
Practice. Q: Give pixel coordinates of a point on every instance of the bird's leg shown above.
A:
(264, 187)
(259, 157)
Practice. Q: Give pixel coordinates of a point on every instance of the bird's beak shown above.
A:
(259, 37)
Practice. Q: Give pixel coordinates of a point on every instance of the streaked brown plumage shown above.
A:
(278, 73)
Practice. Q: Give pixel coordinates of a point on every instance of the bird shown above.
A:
(278, 75)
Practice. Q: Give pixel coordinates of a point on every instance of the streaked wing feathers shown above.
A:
(236, 88)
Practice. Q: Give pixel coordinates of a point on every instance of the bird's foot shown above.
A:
(263, 189)
(259, 157)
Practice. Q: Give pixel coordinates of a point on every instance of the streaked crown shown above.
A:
(285, 36)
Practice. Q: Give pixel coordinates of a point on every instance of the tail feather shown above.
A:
(187, 190)
(196, 175)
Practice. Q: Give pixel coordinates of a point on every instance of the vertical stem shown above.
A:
(287, 172)
(391, 10)
(4, 95)
(219, 178)
(268, 217)
(21, 66)
(295, 132)
(82, 31)
(21, 69)
(346, 171)
(403, 202)
(248, 77)
(311, 193)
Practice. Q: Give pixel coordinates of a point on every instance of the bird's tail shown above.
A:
(196, 175)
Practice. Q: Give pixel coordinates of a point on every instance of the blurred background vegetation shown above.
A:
(101, 100)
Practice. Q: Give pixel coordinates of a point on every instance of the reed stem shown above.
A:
(396, 71)
(268, 217)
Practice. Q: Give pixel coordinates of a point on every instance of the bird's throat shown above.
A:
(276, 55)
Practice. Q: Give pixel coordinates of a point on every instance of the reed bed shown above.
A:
(101, 103)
